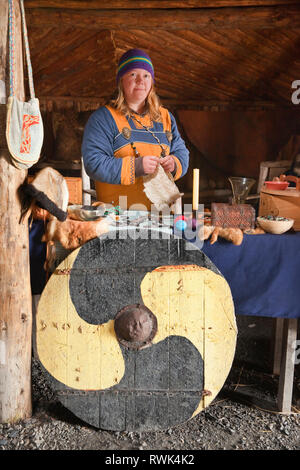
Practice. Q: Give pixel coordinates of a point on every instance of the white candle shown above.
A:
(195, 189)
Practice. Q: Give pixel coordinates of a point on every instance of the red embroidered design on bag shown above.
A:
(26, 139)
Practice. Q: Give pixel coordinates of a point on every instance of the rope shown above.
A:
(11, 32)
(27, 53)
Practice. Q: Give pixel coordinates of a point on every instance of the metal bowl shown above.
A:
(85, 213)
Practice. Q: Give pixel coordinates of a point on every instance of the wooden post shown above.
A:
(277, 346)
(285, 392)
(15, 304)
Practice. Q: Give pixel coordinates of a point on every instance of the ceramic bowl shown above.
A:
(276, 184)
(276, 225)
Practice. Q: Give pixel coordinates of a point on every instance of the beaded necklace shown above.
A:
(163, 152)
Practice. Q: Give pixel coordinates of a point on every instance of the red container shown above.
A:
(277, 184)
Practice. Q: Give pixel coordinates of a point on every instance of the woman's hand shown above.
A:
(150, 163)
(168, 163)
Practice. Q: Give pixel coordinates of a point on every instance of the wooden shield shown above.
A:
(116, 388)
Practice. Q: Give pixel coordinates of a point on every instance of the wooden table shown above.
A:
(263, 274)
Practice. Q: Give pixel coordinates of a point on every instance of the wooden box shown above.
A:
(75, 189)
(281, 203)
(74, 186)
(235, 216)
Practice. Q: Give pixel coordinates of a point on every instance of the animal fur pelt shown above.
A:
(71, 234)
(161, 189)
(233, 235)
(74, 233)
(47, 190)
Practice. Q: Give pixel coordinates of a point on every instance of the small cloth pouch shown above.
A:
(24, 125)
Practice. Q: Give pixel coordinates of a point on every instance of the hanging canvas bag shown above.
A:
(24, 125)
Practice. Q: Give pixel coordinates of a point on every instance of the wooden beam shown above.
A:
(90, 103)
(224, 105)
(146, 4)
(15, 304)
(285, 392)
(277, 347)
(246, 18)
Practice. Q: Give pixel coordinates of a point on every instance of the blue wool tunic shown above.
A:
(109, 156)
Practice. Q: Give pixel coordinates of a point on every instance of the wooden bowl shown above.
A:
(277, 226)
(276, 184)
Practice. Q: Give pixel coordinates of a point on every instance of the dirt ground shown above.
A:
(242, 417)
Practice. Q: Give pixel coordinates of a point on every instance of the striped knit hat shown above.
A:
(134, 59)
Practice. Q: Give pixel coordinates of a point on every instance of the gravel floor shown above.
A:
(227, 424)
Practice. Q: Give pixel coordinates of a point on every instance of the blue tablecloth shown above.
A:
(263, 273)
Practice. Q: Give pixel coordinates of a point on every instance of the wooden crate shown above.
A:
(75, 189)
(74, 186)
(281, 203)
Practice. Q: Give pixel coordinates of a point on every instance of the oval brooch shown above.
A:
(126, 132)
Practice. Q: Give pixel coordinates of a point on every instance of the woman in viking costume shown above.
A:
(130, 137)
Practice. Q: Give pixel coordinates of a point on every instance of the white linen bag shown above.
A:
(24, 125)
